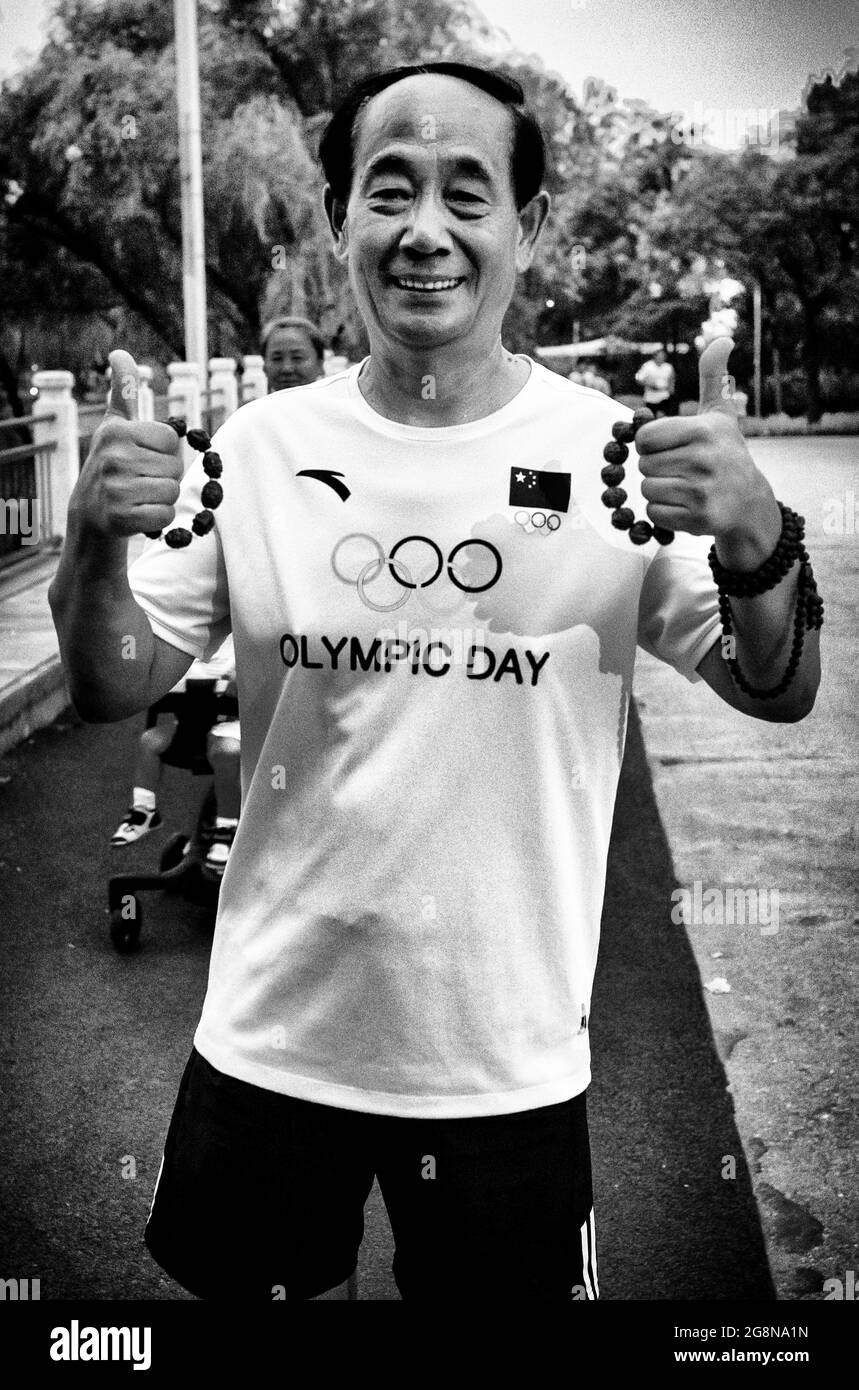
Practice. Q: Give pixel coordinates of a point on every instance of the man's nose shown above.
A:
(427, 232)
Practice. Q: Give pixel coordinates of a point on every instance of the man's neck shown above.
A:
(429, 390)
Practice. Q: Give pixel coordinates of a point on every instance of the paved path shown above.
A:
(773, 807)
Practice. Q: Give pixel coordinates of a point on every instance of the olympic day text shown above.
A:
(435, 658)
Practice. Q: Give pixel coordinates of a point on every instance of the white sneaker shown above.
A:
(219, 848)
(137, 823)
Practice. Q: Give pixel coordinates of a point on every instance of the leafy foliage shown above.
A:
(90, 218)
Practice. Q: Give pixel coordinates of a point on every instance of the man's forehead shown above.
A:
(435, 109)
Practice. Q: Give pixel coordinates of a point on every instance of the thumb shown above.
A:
(716, 387)
(124, 385)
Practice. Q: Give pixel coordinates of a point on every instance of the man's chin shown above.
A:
(423, 330)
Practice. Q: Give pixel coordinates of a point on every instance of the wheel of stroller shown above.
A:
(125, 927)
(173, 852)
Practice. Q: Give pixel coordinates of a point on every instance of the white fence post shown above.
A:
(254, 381)
(223, 386)
(145, 396)
(183, 392)
(183, 398)
(56, 472)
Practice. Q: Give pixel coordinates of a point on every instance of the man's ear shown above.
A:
(532, 219)
(335, 211)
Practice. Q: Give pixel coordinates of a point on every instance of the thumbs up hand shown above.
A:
(130, 481)
(700, 477)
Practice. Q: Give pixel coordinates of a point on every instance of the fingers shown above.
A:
(141, 503)
(678, 432)
(690, 442)
(715, 385)
(158, 440)
(124, 385)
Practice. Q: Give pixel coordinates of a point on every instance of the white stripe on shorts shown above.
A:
(589, 1257)
(594, 1275)
(155, 1193)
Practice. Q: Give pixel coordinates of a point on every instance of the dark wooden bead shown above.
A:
(614, 497)
(198, 439)
(203, 523)
(663, 535)
(641, 532)
(179, 424)
(212, 495)
(642, 416)
(178, 538)
(613, 474)
(623, 518)
(212, 465)
(615, 452)
(623, 431)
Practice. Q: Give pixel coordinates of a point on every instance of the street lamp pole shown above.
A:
(191, 179)
(756, 338)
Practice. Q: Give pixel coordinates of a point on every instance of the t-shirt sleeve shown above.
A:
(184, 593)
(678, 611)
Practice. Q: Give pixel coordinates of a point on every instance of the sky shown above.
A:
(671, 53)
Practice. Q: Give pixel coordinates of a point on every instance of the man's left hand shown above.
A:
(698, 474)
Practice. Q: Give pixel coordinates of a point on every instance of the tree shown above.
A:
(88, 141)
(790, 223)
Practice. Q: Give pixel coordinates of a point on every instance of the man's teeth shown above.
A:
(407, 284)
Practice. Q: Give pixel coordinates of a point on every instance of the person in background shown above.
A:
(657, 378)
(223, 751)
(592, 378)
(293, 353)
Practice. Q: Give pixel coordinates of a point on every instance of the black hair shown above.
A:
(528, 151)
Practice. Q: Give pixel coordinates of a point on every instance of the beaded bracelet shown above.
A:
(212, 494)
(809, 604)
(615, 454)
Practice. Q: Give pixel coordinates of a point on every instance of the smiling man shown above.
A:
(435, 621)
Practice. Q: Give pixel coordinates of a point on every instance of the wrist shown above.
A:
(745, 547)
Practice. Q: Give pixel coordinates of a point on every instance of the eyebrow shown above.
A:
(396, 162)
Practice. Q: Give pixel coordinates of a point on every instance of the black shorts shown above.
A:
(262, 1195)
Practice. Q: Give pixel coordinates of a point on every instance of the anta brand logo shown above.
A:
(330, 478)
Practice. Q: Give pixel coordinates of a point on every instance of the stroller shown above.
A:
(182, 867)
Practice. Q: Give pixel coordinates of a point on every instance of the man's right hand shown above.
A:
(130, 481)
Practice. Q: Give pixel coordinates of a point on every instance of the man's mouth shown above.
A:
(426, 284)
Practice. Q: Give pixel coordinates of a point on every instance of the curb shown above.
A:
(32, 700)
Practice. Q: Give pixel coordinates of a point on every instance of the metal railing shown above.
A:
(25, 497)
(38, 469)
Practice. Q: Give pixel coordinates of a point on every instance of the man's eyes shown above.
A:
(462, 196)
(389, 194)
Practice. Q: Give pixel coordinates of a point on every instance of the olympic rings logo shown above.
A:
(371, 569)
(539, 520)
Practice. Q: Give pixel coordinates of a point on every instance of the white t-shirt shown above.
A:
(409, 919)
(657, 378)
(220, 668)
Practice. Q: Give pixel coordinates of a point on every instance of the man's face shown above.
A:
(431, 231)
(290, 359)
(660, 357)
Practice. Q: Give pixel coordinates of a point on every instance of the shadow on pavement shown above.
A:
(669, 1226)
